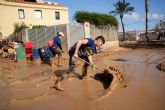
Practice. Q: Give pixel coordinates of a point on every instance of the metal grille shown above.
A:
(41, 36)
(76, 33)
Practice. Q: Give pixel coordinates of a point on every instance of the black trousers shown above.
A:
(71, 69)
(55, 51)
(82, 54)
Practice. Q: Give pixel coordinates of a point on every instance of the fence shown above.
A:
(41, 36)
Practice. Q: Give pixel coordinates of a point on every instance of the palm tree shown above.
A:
(146, 8)
(122, 8)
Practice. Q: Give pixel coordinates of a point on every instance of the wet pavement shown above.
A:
(27, 85)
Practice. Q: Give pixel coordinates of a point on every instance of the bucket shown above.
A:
(28, 46)
(28, 52)
(35, 53)
(20, 54)
(48, 52)
(36, 56)
(45, 53)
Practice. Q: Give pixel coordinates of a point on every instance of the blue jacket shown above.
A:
(57, 42)
(89, 47)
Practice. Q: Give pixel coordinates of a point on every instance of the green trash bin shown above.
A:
(20, 54)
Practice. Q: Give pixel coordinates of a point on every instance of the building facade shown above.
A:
(31, 13)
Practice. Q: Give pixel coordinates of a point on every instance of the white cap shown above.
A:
(61, 33)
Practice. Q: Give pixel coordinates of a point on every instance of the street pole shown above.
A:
(146, 9)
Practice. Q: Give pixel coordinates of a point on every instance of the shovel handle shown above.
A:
(89, 63)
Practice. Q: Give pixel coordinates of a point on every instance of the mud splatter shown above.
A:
(161, 66)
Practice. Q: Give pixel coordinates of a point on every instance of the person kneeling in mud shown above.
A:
(83, 49)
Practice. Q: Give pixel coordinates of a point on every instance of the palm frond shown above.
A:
(114, 13)
(121, 8)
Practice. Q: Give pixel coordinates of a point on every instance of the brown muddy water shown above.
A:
(27, 85)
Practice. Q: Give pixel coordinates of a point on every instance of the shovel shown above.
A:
(104, 71)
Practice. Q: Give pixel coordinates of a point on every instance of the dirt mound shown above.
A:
(161, 66)
(112, 79)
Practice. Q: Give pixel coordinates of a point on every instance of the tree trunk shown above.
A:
(121, 18)
(146, 8)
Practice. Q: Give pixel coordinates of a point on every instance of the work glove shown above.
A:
(94, 66)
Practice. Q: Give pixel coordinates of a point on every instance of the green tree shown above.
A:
(98, 19)
(18, 27)
(121, 8)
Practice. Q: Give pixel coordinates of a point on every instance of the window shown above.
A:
(38, 14)
(57, 15)
(21, 14)
(30, 0)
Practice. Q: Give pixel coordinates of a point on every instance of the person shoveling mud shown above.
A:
(56, 47)
(83, 49)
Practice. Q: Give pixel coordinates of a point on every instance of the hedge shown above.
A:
(97, 19)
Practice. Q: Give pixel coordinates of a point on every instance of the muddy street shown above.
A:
(27, 85)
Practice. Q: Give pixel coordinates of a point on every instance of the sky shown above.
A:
(135, 21)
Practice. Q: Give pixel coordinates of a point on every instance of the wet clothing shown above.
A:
(89, 47)
(84, 52)
(56, 47)
(56, 51)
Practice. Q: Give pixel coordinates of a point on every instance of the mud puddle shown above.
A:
(145, 86)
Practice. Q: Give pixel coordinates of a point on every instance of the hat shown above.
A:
(61, 33)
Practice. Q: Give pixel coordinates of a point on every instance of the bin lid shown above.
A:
(28, 44)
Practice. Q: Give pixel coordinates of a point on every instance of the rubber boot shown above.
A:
(84, 72)
(58, 86)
